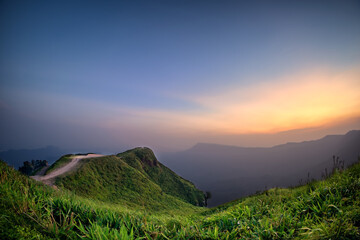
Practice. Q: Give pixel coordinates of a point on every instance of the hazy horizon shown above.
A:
(108, 76)
(242, 141)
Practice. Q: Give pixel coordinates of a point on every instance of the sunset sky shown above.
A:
(109, 75)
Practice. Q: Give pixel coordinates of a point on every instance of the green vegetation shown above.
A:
(328, 209)
(132, 178)
(112, 180)
(59, 163)
(144, 160)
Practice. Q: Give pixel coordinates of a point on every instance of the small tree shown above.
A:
(27, 169)
(30, 167)
(207, 196)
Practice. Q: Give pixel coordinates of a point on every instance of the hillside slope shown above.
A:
(134, 178)
(144, 160)
(63, 165)
(327, 209)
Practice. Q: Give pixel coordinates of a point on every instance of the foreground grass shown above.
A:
(319, 210)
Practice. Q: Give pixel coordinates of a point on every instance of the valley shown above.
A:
(231, 172)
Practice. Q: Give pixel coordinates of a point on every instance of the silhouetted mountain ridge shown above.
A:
(230, 172)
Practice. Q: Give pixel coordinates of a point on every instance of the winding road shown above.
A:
(49, 179)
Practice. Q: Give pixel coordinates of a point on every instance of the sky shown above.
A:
(111, 75)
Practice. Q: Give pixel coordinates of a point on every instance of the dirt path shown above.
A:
(49, 179)
(42, 171)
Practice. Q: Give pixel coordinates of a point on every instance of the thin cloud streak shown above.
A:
(293, 102)
(301, 101)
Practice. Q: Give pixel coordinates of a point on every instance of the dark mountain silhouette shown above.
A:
(230, 172)
(16, 158)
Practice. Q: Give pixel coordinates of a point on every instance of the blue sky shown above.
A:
(165, 69)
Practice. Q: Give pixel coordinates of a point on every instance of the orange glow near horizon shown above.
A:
(293, 102)
(300, 101)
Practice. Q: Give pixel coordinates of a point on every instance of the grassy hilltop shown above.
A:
(318, 210)
(133, 178)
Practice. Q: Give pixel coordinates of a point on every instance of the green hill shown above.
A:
(63, 160)
(144, 160)
(328, 209)
(133, 178)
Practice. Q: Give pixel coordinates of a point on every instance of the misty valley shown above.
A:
(230, 172)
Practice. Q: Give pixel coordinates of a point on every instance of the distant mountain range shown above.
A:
(15, 158)
(231, 172)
